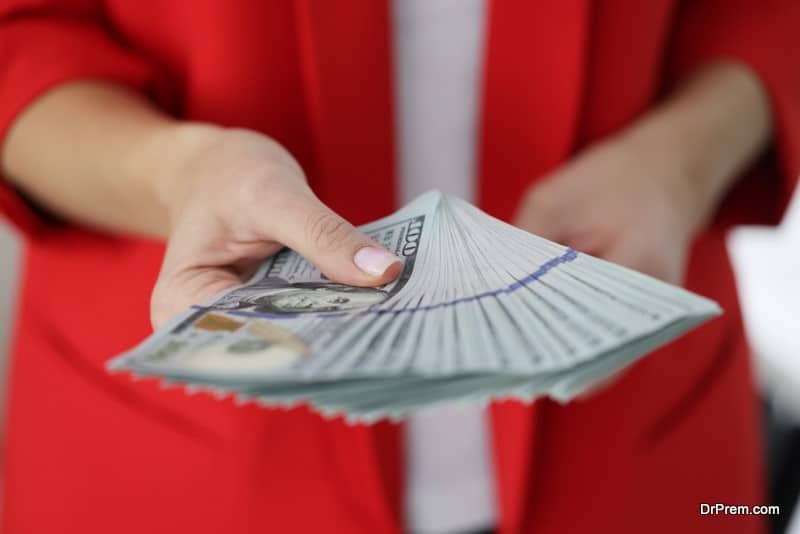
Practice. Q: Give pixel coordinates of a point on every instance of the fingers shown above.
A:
(207, 255)
(175, 294)
(662, 262)
(539, 215)
(195, 270)
(332, 244)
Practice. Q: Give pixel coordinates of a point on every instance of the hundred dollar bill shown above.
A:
(286, 312)
(481, 310)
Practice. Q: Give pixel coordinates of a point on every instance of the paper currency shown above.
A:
(481, 310)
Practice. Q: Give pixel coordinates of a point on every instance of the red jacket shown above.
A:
(90, 452)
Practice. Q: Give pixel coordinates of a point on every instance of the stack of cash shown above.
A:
(481, 310)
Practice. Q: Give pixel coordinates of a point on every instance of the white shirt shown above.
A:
(438, 59)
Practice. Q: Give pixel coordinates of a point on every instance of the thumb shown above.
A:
(332, 244)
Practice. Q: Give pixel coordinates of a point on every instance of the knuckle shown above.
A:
(538, 203)
(270, 189)
(162, 300)
(157, 312)
(256, 186)
(326, 231)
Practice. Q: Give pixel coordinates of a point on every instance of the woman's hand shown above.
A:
(639, 198)
(235, 197)
(629, 204)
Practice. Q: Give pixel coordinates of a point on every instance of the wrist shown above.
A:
(163, 160)
(677, 159)
(710, 130)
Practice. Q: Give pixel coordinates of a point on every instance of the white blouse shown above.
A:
(438, 48)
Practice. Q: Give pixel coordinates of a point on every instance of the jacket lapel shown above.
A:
(532, 95)
(346, 66)
(514, 431)
(532, 99)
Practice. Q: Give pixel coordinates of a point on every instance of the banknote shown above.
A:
(481, 310)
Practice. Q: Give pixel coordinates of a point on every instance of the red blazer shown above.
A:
(90, 452)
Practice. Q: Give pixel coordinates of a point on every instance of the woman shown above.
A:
(629, 130)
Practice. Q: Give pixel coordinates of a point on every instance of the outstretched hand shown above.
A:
(238, 197)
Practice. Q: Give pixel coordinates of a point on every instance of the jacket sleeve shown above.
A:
(44, 43)
(762, 35)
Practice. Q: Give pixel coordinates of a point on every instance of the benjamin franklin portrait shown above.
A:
(303, 297)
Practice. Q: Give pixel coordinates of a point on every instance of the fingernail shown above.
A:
(374, 260)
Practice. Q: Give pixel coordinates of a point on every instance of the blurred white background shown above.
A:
(767, 265)
(9, 256)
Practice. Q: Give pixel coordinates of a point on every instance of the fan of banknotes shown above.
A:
(481, 310)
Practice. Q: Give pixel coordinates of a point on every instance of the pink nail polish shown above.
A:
(374, 260)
